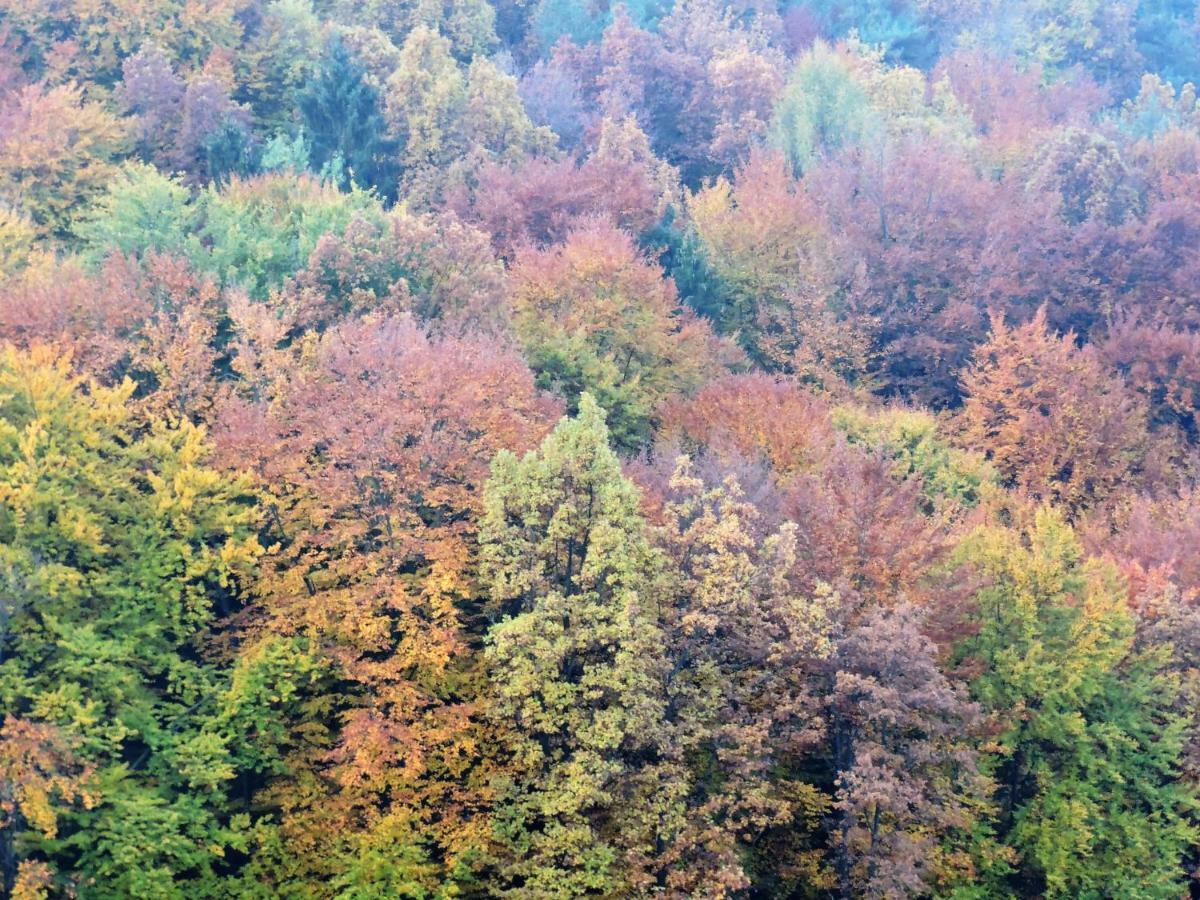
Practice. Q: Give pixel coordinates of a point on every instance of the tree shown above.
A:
(860, 529)
(140, 211)
(539, 201)
(372, 442)
(1012, 102)
(191, 127)
(1086, 759)
(57, 152)
(90, 41)
(758, 416)
(907, 777)
(257, 232)
(152, 93)
(1086, 171)
(921, 449)
(768, 243)
(911, 223)
(576, 665)
(277, 61)
(822, 109)
(595, 316)
(424, 99)
(1162, 363)
(902, 29)
(469, 25)
(343, 120)
(40, 776)
(1050, 417)
(434, 267)
(119, 545)
(744, 645)
(151, 319)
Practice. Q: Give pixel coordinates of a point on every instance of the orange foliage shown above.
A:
(372, 443)
(1050, 417)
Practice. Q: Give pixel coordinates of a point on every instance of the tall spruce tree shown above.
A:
(343, 122)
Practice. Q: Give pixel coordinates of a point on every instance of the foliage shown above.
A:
(1049, 417)
(57, 152)
(343, 121)
(1089, 745)
(850, 306)
(596, 317)
(577, 666)
(822, 109)
(120, 544)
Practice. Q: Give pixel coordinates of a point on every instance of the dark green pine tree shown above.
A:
(342, 119)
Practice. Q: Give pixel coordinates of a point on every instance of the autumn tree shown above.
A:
(90, 41)
(594, 315)
(744, 644)
(1162, 363)
(187, 125)
(372, 443)
(857, 522)
(702, 83)
(907, 782)
(540, 201)
(767, 242)
(57, 152)
(758, 416)
(40, 778)
(1088, 175)
(576, 663)
(1050, 417)
(435, 267)
(910, 225)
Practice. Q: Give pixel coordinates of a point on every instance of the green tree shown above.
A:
(822, 109)
(141, 210)
(118, 547)
(577, 667)
(1087, 757)
(343, 120)
(260, 231)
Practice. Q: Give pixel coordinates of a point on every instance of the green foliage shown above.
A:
(1089, 747)
(118, 546)
(256, 233)
(284, 154)
(577, 665)
(911, 438)
(343, 120)
(899, 27)
(822, 109)
(584, 23)
(142, 210)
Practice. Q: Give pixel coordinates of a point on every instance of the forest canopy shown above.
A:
(550, 449)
